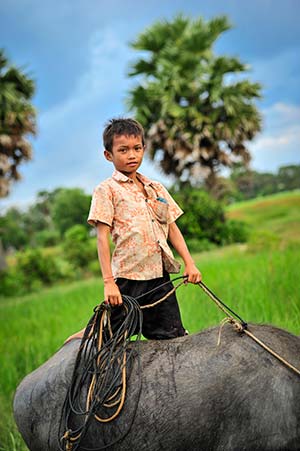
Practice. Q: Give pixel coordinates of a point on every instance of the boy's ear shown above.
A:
(108, 155)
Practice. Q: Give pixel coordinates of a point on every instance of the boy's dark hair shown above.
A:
(122, 126)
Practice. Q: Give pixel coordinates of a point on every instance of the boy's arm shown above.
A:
(111, 290)
(176, 239)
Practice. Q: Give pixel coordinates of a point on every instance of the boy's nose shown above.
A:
(131, 153)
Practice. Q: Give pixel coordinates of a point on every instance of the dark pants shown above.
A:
(160, 322)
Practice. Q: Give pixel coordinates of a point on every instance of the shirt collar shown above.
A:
(119, 177)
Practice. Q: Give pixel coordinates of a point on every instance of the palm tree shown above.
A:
(17, 120)
(197, 109)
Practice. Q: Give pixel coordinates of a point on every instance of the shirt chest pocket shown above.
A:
(160, 209)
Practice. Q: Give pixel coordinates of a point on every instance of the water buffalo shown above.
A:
(195, 396)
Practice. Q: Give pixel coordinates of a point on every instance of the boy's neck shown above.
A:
(131, 175)
(134, 177)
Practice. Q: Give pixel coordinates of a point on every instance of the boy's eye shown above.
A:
(136, 149)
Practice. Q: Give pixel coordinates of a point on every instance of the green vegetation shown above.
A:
(274, 218)
(52, 241)
(45, 222)
(259, 280)
(32, 328)
(49, 242)
(204, 225)
(262, 287)
(249, 184)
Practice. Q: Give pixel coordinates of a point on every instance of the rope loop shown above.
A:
(242, 327)
(102, 306)
(101, 365)
(103, 359)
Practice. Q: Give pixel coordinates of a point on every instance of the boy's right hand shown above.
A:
(112, 293)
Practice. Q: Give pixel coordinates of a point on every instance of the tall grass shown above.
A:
(259, 281)
(261, 287)
(32, 328)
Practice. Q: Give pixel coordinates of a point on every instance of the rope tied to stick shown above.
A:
(242, 327)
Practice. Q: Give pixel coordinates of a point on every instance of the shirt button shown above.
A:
(152, 220)
(158, 241)
(146, 200)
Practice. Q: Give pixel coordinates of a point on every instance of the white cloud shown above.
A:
(281, 115)
(103, 77)
(279, 143)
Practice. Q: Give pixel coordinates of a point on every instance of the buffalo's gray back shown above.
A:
(195, 396)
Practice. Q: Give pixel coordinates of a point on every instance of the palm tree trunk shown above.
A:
(210, 181)
(3, 264)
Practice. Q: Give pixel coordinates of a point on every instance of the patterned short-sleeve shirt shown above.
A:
(139, 225)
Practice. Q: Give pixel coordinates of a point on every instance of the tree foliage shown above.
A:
(12, 229)
(17, 120)
(70, 207)
(250, 184)
(204, 222)
(197, 108)
(45, 222)
(78, 248)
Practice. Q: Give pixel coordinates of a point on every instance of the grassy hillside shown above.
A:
(279, 215)
(258, 280)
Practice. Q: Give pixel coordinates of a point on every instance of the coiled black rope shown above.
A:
(101, 364)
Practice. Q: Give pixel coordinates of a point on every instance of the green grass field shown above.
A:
(258, 280)
(278, 215)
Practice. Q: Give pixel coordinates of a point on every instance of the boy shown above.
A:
(140, 215)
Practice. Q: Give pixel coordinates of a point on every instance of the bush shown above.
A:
(66, 270)
(37, 269)
(12, 282)
(195, 245)
(235, 232)
(45, 238)
(78, 248)
(70, 207)
(204, 217)
(204, 223)
(94, 268)
(32, 270)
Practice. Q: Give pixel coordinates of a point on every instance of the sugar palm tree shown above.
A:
(197, 109)
(17, 121)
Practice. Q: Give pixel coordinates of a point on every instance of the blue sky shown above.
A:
(78, 53)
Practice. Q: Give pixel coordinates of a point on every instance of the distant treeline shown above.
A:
(248, 184)
(46, 222)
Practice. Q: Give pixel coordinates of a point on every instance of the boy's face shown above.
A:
(127, 154)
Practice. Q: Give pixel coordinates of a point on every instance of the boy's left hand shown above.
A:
(193, 274)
